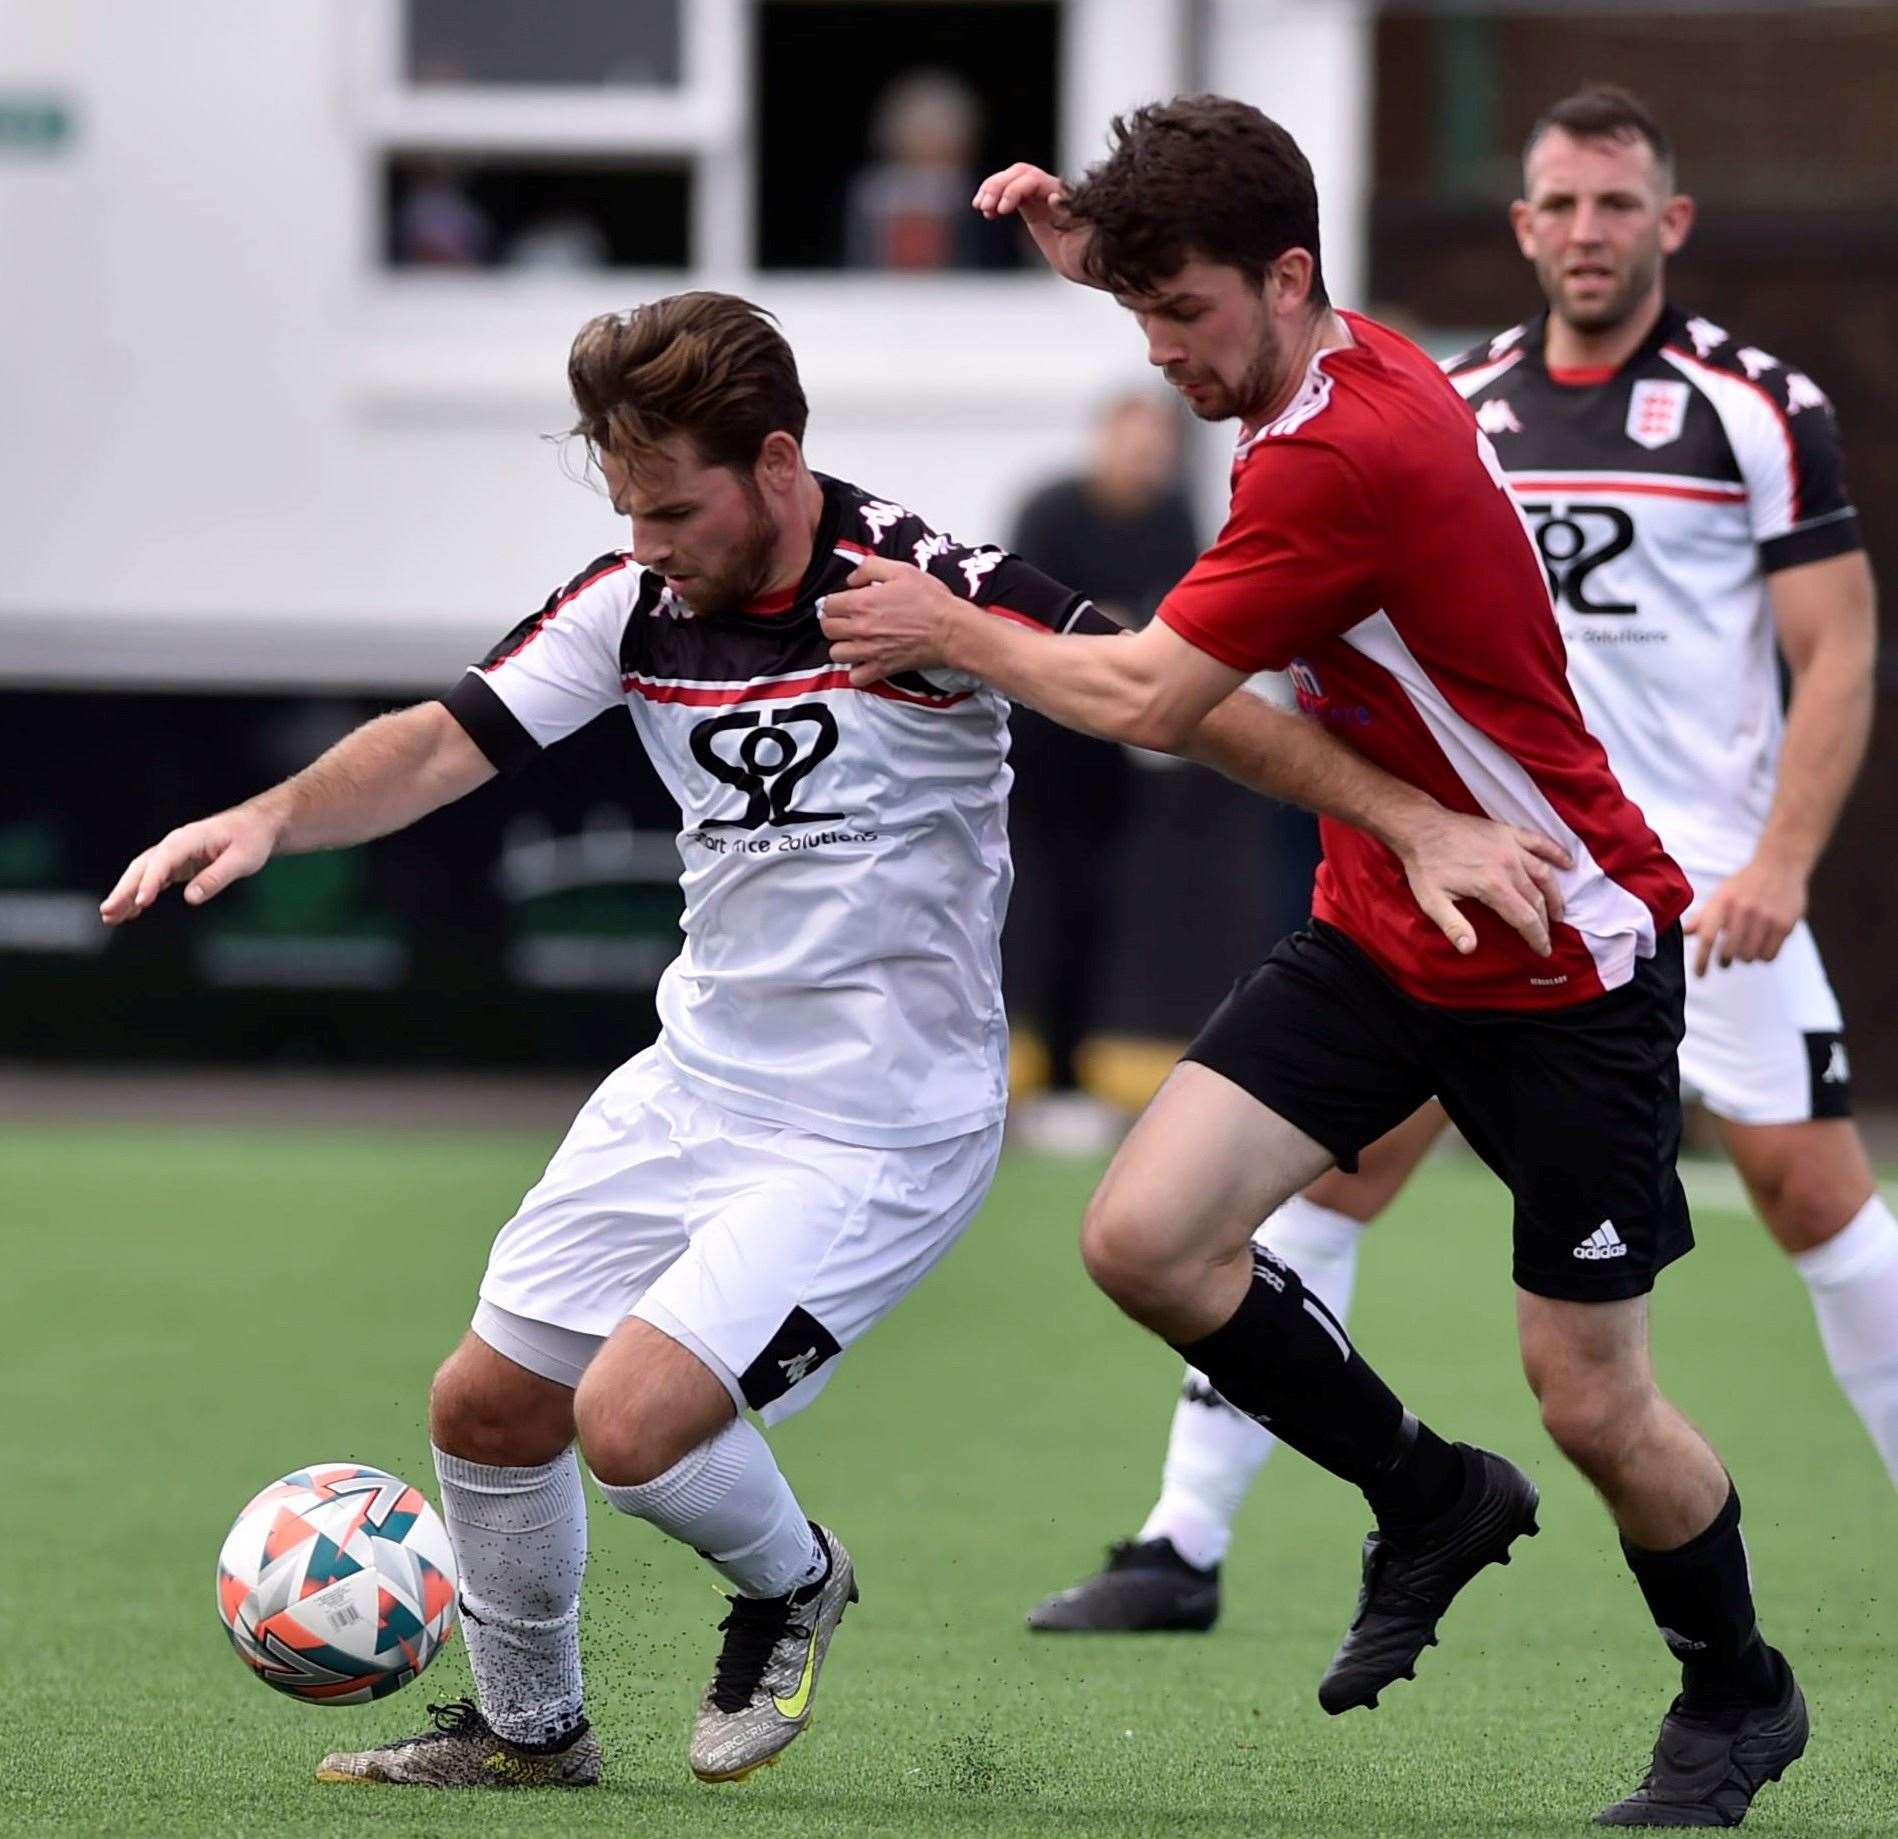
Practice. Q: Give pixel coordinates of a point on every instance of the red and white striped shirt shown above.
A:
(1374, 550)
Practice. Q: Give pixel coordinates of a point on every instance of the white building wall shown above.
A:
(231, 446)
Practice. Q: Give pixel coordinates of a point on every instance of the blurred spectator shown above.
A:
(437, 224)
(562, 241)
(1122, 532)
(908, 210)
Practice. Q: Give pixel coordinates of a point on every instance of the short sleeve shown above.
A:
(1811, 517)
(553, 673)
(1296, 562)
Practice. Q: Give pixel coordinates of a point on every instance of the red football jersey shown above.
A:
(1374, 551)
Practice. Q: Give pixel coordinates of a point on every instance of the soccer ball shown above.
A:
(337, 1584)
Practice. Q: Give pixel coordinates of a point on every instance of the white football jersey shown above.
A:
(844, 852)
(1662, 495)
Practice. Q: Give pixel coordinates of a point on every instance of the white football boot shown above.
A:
(765, 1679)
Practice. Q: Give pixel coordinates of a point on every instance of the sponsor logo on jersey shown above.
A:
(767, 761)
(1603, 1242)
(1838, 1069)
(1497, 417)
(1657, 412)
(798, 1365)
(1755, 362)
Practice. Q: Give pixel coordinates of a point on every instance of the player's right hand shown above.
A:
(1035, 197)
(1509, 870)
(207, 856)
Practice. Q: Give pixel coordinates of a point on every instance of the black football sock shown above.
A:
(1701, 1599)
(1286, 1363)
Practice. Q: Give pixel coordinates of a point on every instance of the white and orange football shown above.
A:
(337, 1584)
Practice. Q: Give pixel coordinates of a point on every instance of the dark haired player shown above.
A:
(821, 1115)
(1373, 549)
(1687, 494)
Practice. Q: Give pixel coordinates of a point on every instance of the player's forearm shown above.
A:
(381, 778)
(1828, 727)
(1102, 685)
(1291, 758)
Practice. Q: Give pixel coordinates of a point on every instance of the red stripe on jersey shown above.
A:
(1582, 376)
(566, 599)
(1633, 487)
(724, 695)
(1766, 396)
(855, 549)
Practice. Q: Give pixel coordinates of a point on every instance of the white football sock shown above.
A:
(1214, 1452)
(520, 1538)
(1853, 1278)
(729, 1501)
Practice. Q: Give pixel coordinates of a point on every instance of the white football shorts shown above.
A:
(763, 1248)
(1765, 1043)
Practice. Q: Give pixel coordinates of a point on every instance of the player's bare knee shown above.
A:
(1120, 1259)
(1593, 1425)
(480, 1411)
(1809, 1205)
(626, 1444)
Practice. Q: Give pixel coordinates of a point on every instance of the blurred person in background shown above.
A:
(1123, 532)
(437, 222)
(1688, 496)
(907, 211)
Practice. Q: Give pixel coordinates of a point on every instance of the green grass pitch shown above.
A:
(183, 1315)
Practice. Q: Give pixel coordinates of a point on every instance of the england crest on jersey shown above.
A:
(1657, 412)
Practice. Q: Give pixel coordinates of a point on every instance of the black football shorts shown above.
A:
(1576, 1109)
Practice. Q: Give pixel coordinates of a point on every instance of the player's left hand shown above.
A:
(1745, 919)
(890, 618)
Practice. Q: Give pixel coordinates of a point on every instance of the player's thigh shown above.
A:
(1384, 1168)
(1765, 1042)
(1204, 1163)
(1306, 1063)
(608, 1216)
(1578, 1111)
(799, 1245)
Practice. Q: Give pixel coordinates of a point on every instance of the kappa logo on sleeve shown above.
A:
(801, 1345)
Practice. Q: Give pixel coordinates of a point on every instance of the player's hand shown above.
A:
(207, 856)
(890, 618)
(1036, 198)
(1745, 919)
(1449, 856)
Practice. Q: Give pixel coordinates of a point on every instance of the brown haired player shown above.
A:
(1374, 550)
(821, 1114)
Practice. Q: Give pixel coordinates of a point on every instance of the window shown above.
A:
(582, 43)
(876, 122)
(570, 134)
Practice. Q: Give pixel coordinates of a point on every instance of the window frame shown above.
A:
(699, 123)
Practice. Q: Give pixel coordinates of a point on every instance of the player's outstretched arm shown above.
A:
(1036, 197)
(1447, 856)
(1826, 613)
(1149, 688)
(384, 776)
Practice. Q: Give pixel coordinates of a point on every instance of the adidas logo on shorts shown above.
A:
(1603, 1242)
